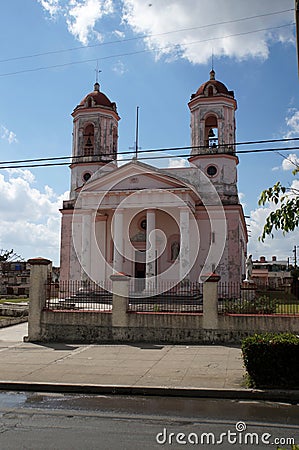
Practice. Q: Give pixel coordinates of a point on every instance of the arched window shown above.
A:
(88, 140)
(114, 142)
(86, 176)
(211, 131)
(89, 102)
(175, 250)
(174, 247)
(210, 91)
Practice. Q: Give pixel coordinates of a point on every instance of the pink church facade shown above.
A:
(174, 224)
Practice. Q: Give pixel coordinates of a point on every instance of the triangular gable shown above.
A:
(133, 176)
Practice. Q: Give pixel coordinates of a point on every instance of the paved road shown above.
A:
(38, 421)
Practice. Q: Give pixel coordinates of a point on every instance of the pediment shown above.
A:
(131, 177)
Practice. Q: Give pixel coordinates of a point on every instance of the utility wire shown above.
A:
(178, 46)
(296, 165)
(273, 150)
(169, 149)
(118, 41)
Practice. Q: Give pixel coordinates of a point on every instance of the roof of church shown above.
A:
(136, 165)
(98, 97)
(219, 86)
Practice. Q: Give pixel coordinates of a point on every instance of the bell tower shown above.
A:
(213, 136)
(95, 137)
(213, 125)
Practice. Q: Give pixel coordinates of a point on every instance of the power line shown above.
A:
(288, 159)
(189, 147)
(178, 46)
(168, 149)
(267, 150)
(118, 41)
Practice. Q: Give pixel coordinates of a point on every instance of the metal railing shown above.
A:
(170, 297)
(79, 296)
(165, 297)
(256, 300)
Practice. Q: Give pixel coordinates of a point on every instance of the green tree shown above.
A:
(5, 255)
(286, 216)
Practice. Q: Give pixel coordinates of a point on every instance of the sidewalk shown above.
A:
(130, 365)
(188, 370)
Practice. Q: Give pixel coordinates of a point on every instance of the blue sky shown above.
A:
(152, 54)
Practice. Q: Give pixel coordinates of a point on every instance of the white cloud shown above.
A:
(82, 16)
(177, 162)
(242, 199)
(25, 174)
(188, 29)
(280, 246)
(294, 188)
(51, 6)
(292, 121)
(8, 135)
(291, 162)
(119, 34)
(30, 219)
(193, 17)
(119, 68)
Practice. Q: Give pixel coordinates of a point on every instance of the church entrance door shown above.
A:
(140, 268)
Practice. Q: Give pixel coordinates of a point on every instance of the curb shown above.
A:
(290, 396)
(10, 321)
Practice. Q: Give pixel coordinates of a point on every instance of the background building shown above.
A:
(14, 278)
(273, 273)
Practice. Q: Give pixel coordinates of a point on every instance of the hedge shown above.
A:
(272, 360)
(260, 305)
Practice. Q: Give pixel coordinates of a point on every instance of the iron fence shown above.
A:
(259, 300)
(79, 296)
(165, 297)
(170, 297)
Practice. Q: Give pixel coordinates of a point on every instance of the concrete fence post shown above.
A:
(210, 302)
(39, 270)
(120, 300)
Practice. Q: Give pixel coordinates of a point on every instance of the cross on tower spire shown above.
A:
(97, 71)
(136, 147)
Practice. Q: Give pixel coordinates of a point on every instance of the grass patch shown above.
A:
(271, 302)
(287, 308)
(278, 295)
(14, 300)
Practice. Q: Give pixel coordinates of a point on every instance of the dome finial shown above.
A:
(212, 71)
(97, 71)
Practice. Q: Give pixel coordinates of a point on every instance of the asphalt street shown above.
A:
(31, 421)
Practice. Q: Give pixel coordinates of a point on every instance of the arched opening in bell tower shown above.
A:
(88, 135)
(114, 142)
(211, 131)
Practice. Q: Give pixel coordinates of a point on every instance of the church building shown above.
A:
(153, 224)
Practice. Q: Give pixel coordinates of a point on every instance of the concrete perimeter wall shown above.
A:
(121, 325)
(85, 327)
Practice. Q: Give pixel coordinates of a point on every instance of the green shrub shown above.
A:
(293, 447)
(260, 305)
(272, 360)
